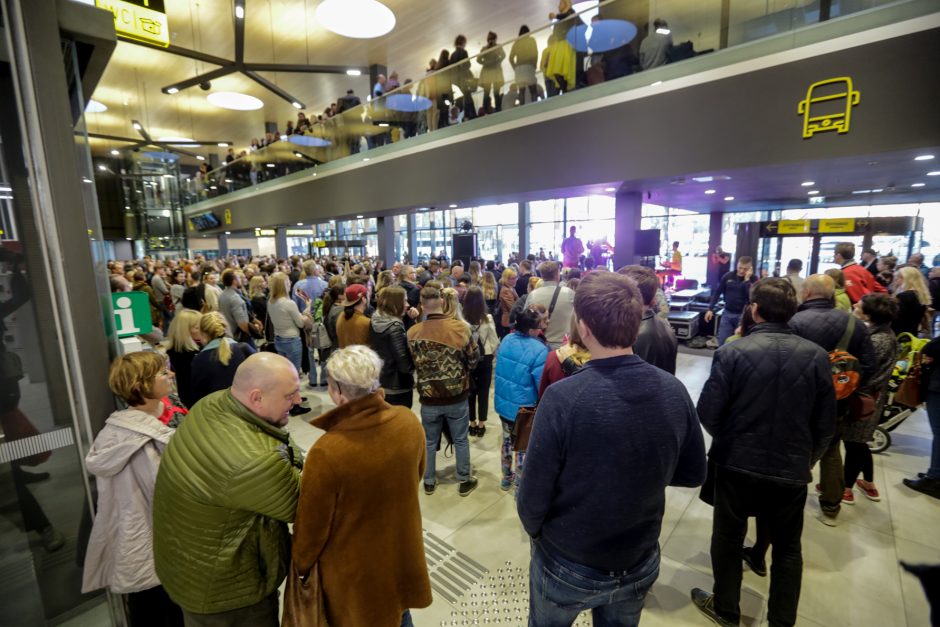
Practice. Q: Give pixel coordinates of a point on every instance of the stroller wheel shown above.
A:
(880, 441)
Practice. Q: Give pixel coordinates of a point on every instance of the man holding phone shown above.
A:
(736, 289)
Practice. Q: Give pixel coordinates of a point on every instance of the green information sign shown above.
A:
(131, 313)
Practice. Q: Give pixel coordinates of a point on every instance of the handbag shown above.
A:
(862, 406)
(303, 600)
(910, 392)
(318, 337)
(522, 428)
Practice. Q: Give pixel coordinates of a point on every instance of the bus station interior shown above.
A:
(103, 139)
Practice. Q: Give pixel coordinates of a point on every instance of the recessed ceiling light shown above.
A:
(365, 158)
(200, 157)
(240, 12)
(934, 173)
(452, 206)
(358, 19)
(223, 145)
(102, 167)
(729, 197)
(385, 124)
(234, 101)
(270, 165)
(610, 189)
(813, 192)
(300, 224)
(137, 126)
(130, 239)
(359, 217)
(808, 183)
(173, 90)
(918, 184)
(875, 191)
(862, 191)
(115, 152)
(923, 157)
(228, 232)
(709, 191)
(94, 106)
(353, 72)
(176, 141)
(296, 105)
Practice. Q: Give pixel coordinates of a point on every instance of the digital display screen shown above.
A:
(205, 221)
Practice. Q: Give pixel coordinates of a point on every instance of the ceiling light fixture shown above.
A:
(359, 217)
(709, 192)
(300, 224)
(923, 157)
(102, 167)
(200, 157)
(875, 191)
(223, 144)
(808, 183)
(172, 90)
(296, 105)
(235, 101)
(729, 197)
(934, 173)
(356, 19)
(813, 192)
(137, 126)
(239, 12)
(453, 206)
(353, 72)
(115, 152)
(94, 106)
(918, 184)
(228, 232)
(610, 189)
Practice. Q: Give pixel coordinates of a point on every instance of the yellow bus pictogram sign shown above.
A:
(828, 106)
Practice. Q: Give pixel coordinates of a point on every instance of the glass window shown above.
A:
(488, 215)
(729, 222)
(547, 211)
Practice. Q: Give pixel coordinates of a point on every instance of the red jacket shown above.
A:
(859, 281)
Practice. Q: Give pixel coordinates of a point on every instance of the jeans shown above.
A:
(406, 619)
(729, 322)
(514, 478)
(933, 417)
(261, 614)
(561, 589)
(458, 420)
(291, 348)
(832, 475)
(738, 496)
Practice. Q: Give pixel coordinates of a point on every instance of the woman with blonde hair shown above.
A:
(910, 288)
(386, 279)
(213, 369)
(125, 458)
(490, 292)
(507, 298)
(475, 272)
(184, 346)
(451, 303)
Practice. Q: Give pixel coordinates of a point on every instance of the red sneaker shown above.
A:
(848, 497)
(870, 490)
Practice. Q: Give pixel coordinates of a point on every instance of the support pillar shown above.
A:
(280, 243)
(223, 245)
(386, 234)
(715, 221)
(628, 211)
(523, 230)
(412, 239)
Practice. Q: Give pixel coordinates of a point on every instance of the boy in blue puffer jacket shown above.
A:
(519, 362)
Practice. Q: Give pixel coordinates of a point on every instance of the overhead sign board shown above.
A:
(793, 227)
(140, 20)
(837, 225)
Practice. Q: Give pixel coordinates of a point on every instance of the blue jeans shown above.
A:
(289, 347)
(933, 417)
(561, 589)
(729, 322)
(458, 420)
(312, 374)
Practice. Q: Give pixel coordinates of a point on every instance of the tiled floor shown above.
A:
(851, 574)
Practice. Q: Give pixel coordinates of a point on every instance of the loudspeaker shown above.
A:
(465, 247)
(647, 243)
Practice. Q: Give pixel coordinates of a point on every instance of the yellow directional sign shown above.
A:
(837, 225)
(143, 20)
(228, 216)
(793, 227)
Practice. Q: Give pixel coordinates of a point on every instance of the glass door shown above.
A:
(827, 249)
(796, 248)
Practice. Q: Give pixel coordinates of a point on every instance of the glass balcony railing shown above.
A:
(582, 49)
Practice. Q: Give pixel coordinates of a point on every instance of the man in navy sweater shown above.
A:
(607, 441)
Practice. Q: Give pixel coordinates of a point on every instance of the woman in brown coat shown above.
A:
(507, 298)
(358, 515)
(353, 326)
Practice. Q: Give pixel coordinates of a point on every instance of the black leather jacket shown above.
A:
(390, 342)
(656, 342)
(769, 404)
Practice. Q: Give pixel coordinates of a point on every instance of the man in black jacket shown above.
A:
(821, 323)
(735, 287)
(769, 406)
(656, 342)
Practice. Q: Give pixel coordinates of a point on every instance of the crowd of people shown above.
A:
(348, 128)
(198, 481)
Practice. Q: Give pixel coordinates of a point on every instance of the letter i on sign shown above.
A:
(124, 316)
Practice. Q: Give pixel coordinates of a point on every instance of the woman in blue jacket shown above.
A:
(519, 362)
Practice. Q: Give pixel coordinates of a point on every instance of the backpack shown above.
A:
(845, 367)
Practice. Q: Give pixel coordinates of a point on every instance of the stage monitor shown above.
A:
(647, 243)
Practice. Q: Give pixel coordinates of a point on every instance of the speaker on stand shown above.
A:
(465, 244)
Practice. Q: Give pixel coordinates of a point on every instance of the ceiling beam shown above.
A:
(307, 69)
(180, 51)
(196, 80)
(297, 104)
(239, 32)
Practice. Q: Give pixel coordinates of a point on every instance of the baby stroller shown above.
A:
(894, 413)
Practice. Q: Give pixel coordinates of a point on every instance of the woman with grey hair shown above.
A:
(358, 516)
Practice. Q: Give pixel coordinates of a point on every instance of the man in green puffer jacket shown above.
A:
(226, 490)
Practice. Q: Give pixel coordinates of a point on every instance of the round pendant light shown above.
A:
(234, 101)
(94, 106)
(357, 19)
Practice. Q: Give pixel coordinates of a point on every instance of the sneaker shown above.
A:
(705, 602)
(52, 540)
(429, 488)
(758, 568)
(870, 492)
(468, 486)
(505, 484)
(848, 497)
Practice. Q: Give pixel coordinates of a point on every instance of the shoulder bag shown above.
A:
(522, 428)
(303, 600)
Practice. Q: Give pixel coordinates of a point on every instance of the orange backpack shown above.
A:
(845, 367)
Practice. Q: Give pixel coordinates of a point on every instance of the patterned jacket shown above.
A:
(444, 354)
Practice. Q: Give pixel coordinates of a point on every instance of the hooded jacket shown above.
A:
(391, 344)
(124, 458)
(519, 363)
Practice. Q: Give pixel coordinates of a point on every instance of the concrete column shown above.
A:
(386, 234)
(714, 241)
(523, 230)
(627, 213)
(412, 239)
(223, 245)
(280, 243)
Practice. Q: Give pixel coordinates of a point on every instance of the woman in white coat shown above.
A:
(124, 459)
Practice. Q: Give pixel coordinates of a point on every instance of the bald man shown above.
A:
(820, 322)
(226, 490)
